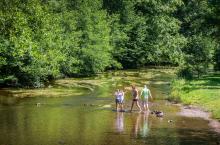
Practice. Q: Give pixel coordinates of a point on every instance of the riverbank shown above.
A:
(81, 86)
(60, 88)
(195, 111)
(203, 92)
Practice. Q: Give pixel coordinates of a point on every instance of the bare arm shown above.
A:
(136, 94)
(123, 93)
(141, 93)
(150, 94)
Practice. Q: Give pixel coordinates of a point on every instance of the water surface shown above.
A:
(90, 119)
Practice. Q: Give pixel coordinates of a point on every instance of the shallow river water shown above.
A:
(90, 119)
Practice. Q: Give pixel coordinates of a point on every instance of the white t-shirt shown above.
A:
(117, 95)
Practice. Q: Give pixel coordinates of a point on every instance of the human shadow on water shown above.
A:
(140, 125)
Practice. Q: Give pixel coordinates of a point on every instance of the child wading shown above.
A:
(145, 94)
(119, 98)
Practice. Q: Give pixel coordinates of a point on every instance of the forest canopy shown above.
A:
(41, 40)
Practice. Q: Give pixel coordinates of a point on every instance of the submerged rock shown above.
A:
(158, 113)
(188, 107)
(122, 110)
(61, 142)
(38, 104)
(170, 121)
(106, 106)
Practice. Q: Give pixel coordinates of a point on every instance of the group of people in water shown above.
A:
(136, 98)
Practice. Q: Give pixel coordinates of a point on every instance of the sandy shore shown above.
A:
(194, 111)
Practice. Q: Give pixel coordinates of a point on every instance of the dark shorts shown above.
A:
(135, 99)
(120, 101)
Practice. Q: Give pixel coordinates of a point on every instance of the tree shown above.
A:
(149, 32)
(31, 42)
(217, 59)
(196, 27)
(215, 21)
(163, 40)
(197, 56)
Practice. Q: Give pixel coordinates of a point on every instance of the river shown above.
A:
(90, 119)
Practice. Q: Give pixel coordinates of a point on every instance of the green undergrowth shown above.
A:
(204, 92)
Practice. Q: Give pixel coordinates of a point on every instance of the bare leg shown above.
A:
(121, 107)
(144, 104)
(116, 106)
(138, 106)
(147, 105)
(132, 105)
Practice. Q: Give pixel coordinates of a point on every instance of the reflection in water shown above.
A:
(144, 130)
(141, 125)
(135, 124)
(119, 122)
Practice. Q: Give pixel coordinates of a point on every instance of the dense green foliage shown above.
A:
(216, 21)
(199, 29)
(44, 39)
(151, 32)
(41, 40)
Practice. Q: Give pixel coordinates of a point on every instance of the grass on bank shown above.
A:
(204, 92)
(60, 88)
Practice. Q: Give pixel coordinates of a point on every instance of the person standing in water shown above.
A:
(145, 94)
(134, 93)
(119, 98)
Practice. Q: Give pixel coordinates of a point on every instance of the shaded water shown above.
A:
(89, 119)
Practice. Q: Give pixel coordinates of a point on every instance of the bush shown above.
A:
(176, 90)
(217, 60)
(198, 55)
(10, 81)
(186, 73)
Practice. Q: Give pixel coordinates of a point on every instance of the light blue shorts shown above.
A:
(120, 101)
